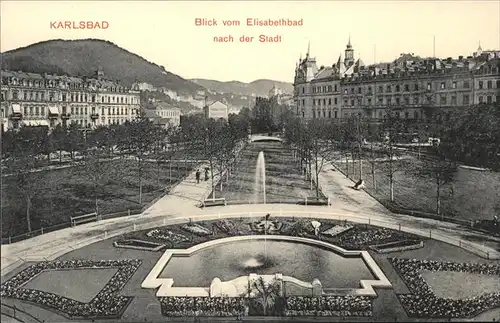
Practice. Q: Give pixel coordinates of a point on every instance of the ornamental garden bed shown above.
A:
(350, 236)
(423, 302)
(335, 306)
(138, 244)
(108, 303)
(398, 246)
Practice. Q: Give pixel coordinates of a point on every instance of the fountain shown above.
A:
(260, 179)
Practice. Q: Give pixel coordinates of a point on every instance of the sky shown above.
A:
(165, 32)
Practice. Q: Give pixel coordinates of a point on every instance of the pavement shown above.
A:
(183, 204)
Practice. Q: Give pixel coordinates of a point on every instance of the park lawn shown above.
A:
(471, 195)
(284, 183)
(62, 193)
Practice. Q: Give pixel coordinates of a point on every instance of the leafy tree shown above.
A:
(141, 142)
(262, 115)
(24, 157)
(59, 137)
(75, 140)
(267, 293)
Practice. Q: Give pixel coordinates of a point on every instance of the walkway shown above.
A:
(181, 205)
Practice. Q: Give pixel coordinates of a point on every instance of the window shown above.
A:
(25, 110)
(359, 90)
(42, 111)
(329, 101)
(335, 100)
(31, 110)
(407, 87)
(407, 101)
(415, 100)
(443, 99)
(345, 102)
(25, 95)
(329, 114)
(64, 97)
(398, 101)
(498, 84)
(352, 102)
(388, 88)
(352, 90)
(480, 84)
(303, 90)
(443, 85)
(490, 84)
(314, 114)
(303, 102)
(369, 90)
(480, 99)
(466, 99)
(489, 99)
(345, 91)
(314, 102)
(407, 115)
(381, 89)
(72, 110)
(397, 88)
(369, 101)
(416, 87)
(335, 114)
(335, 87)
(415, 114)
(380, 100)
(466, 84)
(454, 85)
(324, 102)
(429, 86)
(453, 100)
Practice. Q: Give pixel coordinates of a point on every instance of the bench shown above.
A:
(83, 218)
(215, 202)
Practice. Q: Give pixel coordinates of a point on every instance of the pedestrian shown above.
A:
(206, 174)
(198, 174)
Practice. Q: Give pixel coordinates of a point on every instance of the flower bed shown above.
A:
(225, 226)
(197, 229)
(202, 306)
(336, 230)
(422, 302)
(397, 246)
(273, 226)
(106, 304)
(138, 244)
(329, 306)
(167, 235)
(361, 237)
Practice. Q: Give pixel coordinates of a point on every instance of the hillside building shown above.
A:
(30, 99)
(216, 110)
(412, 86)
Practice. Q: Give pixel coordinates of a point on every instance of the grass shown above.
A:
(79, 284)
(473, 195)
(284, 183)
(66, 192)
(460, 285)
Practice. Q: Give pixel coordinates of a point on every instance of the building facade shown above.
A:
(30, 99)
(411, 86)
(216, 110)
(164, 114)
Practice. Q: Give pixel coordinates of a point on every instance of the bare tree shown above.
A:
(392, 127)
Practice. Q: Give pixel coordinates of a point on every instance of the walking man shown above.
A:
(198, 174)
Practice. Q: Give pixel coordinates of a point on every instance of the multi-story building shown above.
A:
(30, 99)
(164, 114)
(216, 110)
(411, 86)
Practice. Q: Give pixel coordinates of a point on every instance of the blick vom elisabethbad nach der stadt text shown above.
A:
(249, 22)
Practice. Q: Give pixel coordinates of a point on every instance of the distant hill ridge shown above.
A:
(83, 57)
(259, 87)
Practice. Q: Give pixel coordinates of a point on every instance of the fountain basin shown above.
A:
(190, 272)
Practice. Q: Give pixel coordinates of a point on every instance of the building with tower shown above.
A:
(412, 86)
